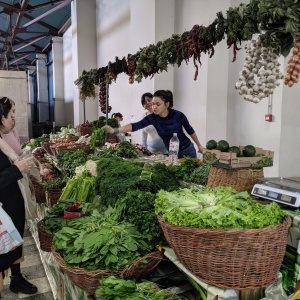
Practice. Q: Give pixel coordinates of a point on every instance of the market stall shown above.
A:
(125, 175)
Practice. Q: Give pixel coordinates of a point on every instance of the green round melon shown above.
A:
(235, 149)
(223, 146)
(249, 151)
(211, 144)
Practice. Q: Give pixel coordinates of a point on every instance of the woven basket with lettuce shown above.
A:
(224, 237)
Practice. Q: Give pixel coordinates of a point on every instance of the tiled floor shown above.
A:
(33, 269)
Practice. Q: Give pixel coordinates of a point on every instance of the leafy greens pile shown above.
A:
(113, 288)
(115, 177)
(217, 208)
(99, 242)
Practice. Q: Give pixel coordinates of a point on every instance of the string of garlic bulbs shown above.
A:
(260, 73)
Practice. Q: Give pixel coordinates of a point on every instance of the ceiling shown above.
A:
(27, 27)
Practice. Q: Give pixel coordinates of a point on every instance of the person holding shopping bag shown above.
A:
(12, 197)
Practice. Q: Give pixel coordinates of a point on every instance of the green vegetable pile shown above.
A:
(80, 188)
(124, 149)
(97, 138)
(99, 243)
(217, 208)
(69, 160)
(113, 288)
(137, 208)
(191, 170)
(115, 177)
(54, 184)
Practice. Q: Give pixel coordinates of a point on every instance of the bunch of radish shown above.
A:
(293, 66)
(260, 73)
(103, 97)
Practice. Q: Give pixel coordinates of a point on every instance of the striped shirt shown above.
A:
(174, 122)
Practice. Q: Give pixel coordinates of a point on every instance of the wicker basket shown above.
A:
(112, 138)
(46, 147)
(39, 191)
(52, 197)
(44, 237)
(86, 280)
(142, 267)
(234, 259)
(85, 130)
(241, 180)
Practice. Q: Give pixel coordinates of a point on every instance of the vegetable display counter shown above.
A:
(62, 287)
(212, 291)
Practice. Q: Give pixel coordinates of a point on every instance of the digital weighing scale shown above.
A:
(282, 190)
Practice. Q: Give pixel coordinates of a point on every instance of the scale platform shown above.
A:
(283, 190)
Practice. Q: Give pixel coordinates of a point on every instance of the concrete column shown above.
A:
(58, 80)
(30, 105)
(42, 87)
(84, 52)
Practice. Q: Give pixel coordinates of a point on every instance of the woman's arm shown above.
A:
(196, 140)
(123, 129)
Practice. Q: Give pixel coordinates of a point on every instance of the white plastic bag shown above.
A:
(10, 237)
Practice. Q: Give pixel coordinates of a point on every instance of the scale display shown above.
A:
(270, 192)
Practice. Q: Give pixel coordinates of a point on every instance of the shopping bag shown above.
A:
(10, 237)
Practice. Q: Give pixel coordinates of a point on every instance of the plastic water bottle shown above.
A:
(26, 152)
(173, 149)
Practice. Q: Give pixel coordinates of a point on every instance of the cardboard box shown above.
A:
(229, 160)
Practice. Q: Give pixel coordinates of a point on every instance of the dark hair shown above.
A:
(165, 95)
(143, 98)
(5, 107)
(116, 115)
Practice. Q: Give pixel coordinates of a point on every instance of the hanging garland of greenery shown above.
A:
(277, 22)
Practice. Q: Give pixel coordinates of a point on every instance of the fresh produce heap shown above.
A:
(69, 160)
(114, 288)
(276, 22)
(64, 132)
(293, 66)
(191, 170)
(223, 146)
(260, 74)
(124, 149)
(216, 208)
(55, 183)
(246, 151)
(99, 242)
(36, 142)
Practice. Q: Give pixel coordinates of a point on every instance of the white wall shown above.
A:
(13, 85)
(68, 77)
(211, 103)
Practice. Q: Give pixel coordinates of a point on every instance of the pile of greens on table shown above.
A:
(218, 208)
(115, 177)
(99, 242)
(191, 170)
(113, 288)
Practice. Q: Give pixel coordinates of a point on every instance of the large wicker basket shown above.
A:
(86, 280)
(39, 191)
(45, 238)
(52, 197)
(234, 259)
(142, 267)
(241, 180)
